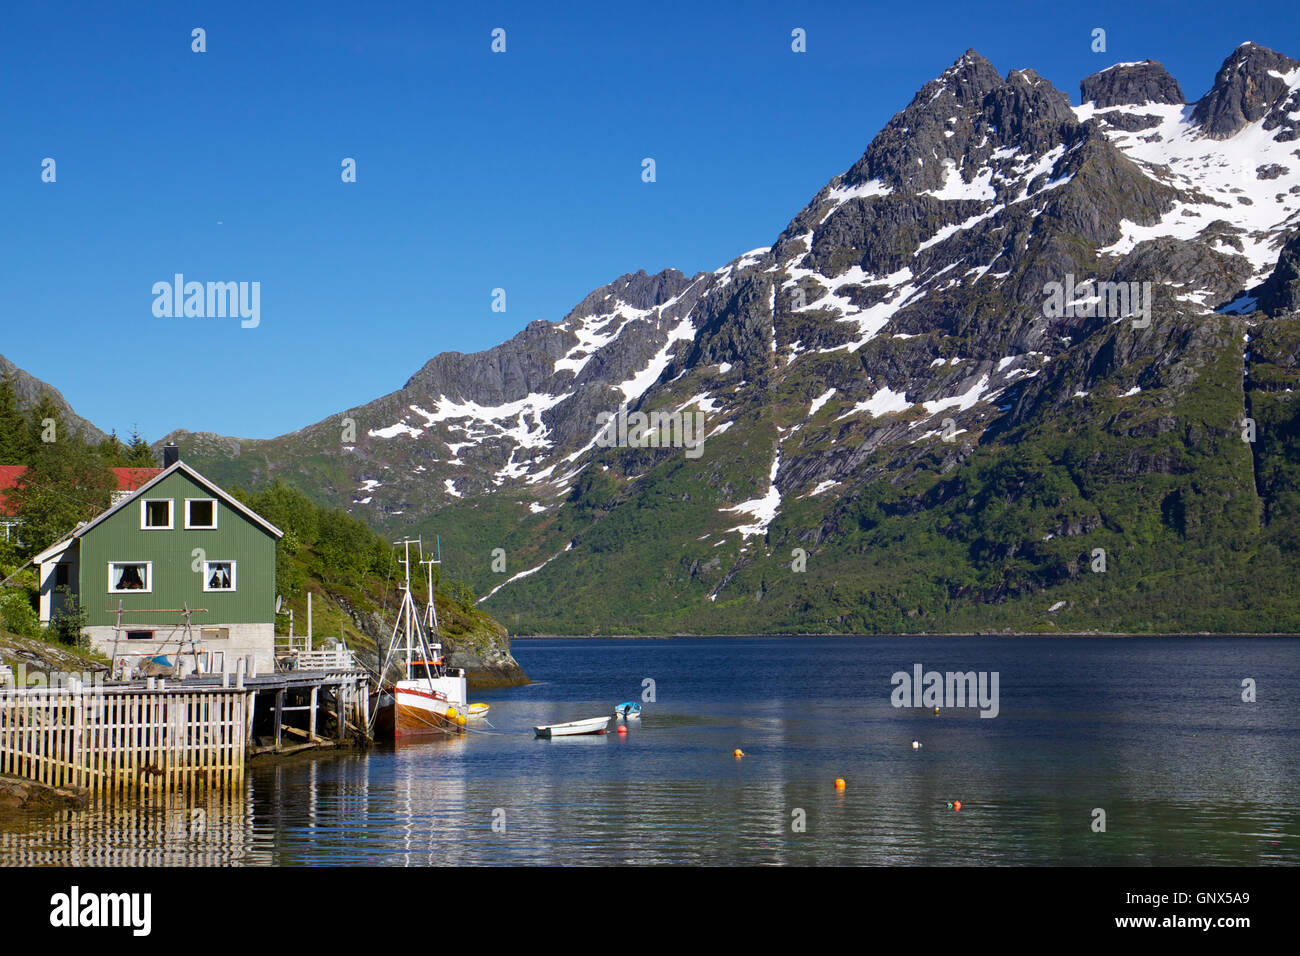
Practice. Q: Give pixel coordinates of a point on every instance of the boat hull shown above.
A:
(416, 708)
(576, 728)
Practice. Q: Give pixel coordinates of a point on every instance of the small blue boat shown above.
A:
(628, 710)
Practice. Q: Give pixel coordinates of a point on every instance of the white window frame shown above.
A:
(234, 577)
(144, 515)
(200, 527)
(148, 578)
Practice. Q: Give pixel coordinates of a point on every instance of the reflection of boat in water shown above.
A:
(628, 710)
(428, 697)
(574, 728)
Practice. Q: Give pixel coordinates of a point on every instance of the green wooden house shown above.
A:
(177, 543)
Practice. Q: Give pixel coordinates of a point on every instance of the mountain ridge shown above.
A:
(902, 307)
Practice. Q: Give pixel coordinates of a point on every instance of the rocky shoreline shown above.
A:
(19, 793)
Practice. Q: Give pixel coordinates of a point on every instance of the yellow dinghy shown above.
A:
(478, 710)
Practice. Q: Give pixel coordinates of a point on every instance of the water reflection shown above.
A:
(195, 832)
(1154, 734)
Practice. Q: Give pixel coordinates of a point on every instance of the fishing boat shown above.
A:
(428, 697)
(574, 728)
(628, 710)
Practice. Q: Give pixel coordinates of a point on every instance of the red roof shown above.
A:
(131, 479)
(128, 479)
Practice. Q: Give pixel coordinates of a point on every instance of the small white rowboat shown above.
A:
(592, 725)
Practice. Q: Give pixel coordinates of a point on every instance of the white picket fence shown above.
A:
(337, 659)
(129, 741)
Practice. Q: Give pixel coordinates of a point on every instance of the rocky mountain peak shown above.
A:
(939, 124)
(1252, 82)
(1131, 84)
(1028, 111)
(637, 289)
(891, 369)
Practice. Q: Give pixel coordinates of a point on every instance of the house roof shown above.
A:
(9, 475)
(212, 487)
(132, 479)
(128, 479)
(139, 492)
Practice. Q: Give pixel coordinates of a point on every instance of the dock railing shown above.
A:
(334, 659)
(291, 643)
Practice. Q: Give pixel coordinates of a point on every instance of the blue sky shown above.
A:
(475, 170)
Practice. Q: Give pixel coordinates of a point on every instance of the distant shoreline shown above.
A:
(666, 637)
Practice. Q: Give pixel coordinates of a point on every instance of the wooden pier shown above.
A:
(185, 737)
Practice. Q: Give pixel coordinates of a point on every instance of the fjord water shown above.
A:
(1153, 731)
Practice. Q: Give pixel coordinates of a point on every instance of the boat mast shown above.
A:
(406, 601)
(431, 612)
(407, 623)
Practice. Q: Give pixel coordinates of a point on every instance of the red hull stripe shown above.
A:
(436, 695)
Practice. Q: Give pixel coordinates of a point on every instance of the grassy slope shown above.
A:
(1163, 483)
(362, 610)
(1198, 526)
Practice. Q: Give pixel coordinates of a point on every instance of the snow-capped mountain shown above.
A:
(1106, 291)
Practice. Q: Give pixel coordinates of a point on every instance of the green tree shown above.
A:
(112, 451)
(69, 621)
(138, 453)
(65, 482)
(15, 442)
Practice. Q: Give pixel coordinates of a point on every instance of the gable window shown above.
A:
(156, 513)
(200, 513)
(62, 575)
(139, 635)
(130, 577)
(218, 575)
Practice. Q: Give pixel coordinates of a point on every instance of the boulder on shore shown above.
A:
(19, 793)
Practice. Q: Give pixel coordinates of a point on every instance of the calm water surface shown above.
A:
(1153, 731)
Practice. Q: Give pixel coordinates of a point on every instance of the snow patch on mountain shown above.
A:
(636, 386)
(963, 401)
(763, 509)
(819, 401)
(1246, 180)
(883, 402)
(955, 187)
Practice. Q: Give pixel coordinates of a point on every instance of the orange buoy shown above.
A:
(956, 804)
(738, 752)
(622, 730)
(839, 783)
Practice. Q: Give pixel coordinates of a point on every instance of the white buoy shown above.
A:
(916, 745)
